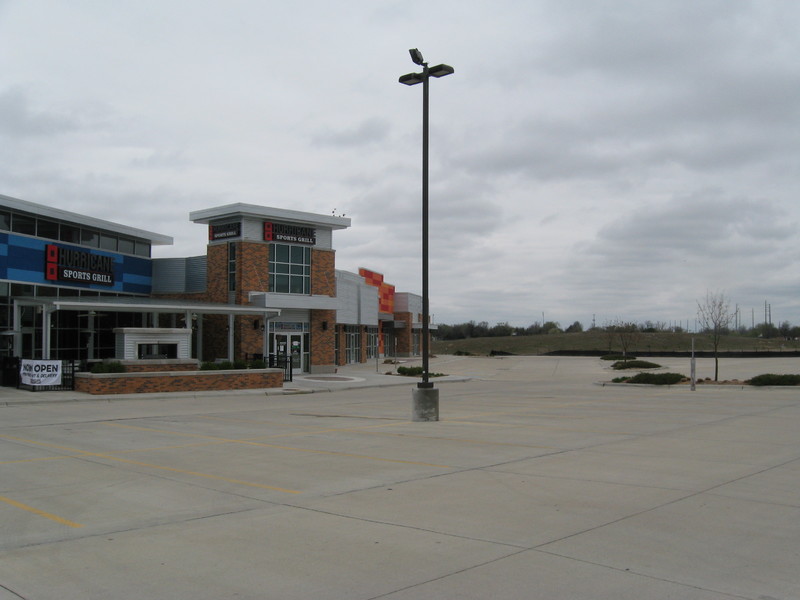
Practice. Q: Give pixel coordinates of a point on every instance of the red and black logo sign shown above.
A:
(66, 264)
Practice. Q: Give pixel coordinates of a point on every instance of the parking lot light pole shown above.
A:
(425, 396)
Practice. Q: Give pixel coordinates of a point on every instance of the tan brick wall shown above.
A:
(323, 272)
(323, 350)
(217, 273)
(403, 336)
(252, 270)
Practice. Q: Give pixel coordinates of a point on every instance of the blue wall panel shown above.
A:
(22, 259)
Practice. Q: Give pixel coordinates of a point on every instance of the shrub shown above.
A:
(620, 380)
(410, 371)
(225, 365)
(772, 379)
(634, 364)
(239, 364)
(208, 366)
(617, 357)
(657, 378)
(462, 353)
(415, 372)
(258, 364)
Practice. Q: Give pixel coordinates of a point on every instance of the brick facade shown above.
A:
(198, 381)
(323, 331)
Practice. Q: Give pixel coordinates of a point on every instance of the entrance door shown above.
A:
(291, 343)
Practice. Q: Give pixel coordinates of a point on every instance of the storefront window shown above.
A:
(289, 269)
(23, 224)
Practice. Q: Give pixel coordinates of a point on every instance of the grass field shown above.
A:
(601, 341)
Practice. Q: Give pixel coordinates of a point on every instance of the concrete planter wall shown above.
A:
(177, 381)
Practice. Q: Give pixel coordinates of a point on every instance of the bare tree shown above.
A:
(714, 314)
(626, 333)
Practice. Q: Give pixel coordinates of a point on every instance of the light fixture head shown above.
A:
(416, 56)
(441, 70)
(411, 78)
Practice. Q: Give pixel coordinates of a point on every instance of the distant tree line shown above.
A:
(474, 329)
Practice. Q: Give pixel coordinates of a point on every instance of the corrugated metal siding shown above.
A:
(347, 295)
(196, 274)
(369, 305)
(179, 275)
(169, 275)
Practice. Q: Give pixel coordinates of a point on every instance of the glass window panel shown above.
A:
(126, 246)
(5, 221)
(281, 268)
(46, 290)
(69, 233)
(282, 284)
(108, 242)
(281, 253)
(47, 229)
(21, 289)
(142, 248)
(297, 285)
(90, 238)
(23, 224)
(298, 254)
(297, 269)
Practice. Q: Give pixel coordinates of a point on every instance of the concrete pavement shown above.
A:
(536, 483)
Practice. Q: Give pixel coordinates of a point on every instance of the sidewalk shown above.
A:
(365, 375)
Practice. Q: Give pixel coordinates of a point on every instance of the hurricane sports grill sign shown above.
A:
(67, 264)
(277, 232)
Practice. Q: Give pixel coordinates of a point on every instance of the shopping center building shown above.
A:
(78, 288)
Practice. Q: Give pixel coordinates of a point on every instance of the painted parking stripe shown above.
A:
(41, 513)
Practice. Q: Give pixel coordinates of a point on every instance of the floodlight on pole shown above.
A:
(426, 397)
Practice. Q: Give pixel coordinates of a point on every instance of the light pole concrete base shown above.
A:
(426, 404)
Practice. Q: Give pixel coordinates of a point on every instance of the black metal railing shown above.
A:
(281, 361)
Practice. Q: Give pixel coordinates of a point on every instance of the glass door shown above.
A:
(291, 344)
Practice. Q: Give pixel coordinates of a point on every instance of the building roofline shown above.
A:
(155, 239)
(268, 212)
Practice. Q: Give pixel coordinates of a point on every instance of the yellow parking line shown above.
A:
(41, 513)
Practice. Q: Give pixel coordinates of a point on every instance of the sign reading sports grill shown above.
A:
(223, 232)
(277, 232)
(67, 264)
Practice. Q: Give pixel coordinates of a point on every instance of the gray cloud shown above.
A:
(610, 158)
(19, 119)
(369, 131)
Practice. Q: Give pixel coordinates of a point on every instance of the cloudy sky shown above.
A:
(590, 159)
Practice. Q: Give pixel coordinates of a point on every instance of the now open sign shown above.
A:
(40, 372)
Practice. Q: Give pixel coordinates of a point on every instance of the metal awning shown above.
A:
(92, 304)
(146, 305)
